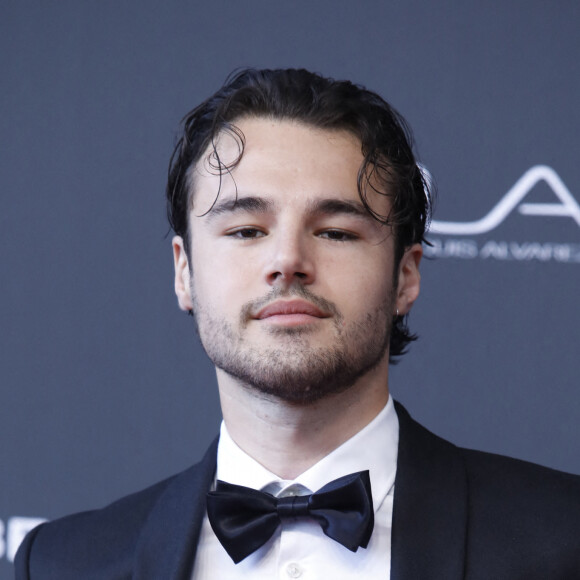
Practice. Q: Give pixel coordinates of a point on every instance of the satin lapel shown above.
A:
(167, 546)
(430, 507)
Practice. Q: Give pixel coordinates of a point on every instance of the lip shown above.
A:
(290, 308)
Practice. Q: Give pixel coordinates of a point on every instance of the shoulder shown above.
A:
(488, 471)
(528, 514)
(84, 541)
(84, 545)
(505, 487)
(511, 474)
(511, 515)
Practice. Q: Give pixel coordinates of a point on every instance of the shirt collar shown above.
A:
(374, 448)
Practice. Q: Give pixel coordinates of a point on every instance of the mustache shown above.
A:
(250, 309)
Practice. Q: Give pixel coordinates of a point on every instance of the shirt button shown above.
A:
(294, 571)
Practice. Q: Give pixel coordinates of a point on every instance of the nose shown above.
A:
(291, 261)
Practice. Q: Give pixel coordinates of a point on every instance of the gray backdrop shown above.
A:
(104, 386)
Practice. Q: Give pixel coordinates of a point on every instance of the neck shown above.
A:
(287, 439)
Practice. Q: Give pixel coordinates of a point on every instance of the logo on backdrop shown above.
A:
(12, 533)
(456, 239)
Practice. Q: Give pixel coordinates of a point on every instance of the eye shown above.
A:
(338, 235)
(246, 233)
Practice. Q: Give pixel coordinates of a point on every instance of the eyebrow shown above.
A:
(332, 206)
(251, 204)
(255, 204)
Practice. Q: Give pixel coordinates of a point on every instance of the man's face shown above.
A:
(291, 279)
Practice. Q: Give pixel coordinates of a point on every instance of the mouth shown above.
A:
(291, 313)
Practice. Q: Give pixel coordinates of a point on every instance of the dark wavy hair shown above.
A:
(389, 166)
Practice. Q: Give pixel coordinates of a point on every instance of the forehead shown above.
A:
(284, 160)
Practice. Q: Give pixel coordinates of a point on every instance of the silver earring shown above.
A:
(397, 312)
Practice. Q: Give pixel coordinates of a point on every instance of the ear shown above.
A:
(182, 274)
(409, 279)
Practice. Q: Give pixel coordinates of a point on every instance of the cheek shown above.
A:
(218, 285)
(362, 271)
(366, 297)
(363, 289)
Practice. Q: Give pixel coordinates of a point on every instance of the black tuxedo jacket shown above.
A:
(458, 514)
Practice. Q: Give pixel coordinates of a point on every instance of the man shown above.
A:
(299, 213)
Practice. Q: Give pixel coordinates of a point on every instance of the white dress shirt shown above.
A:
(299, 549)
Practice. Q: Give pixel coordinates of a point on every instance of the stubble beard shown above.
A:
(296, 371)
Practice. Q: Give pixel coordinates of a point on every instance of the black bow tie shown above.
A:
(244, 519)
